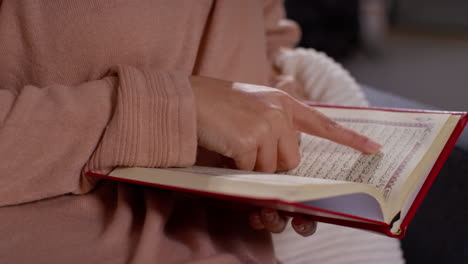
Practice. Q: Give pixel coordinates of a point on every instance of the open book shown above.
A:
(333, 183)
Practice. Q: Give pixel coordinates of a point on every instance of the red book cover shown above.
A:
(333, 217)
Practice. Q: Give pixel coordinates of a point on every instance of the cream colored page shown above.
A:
(239, 175)
(405, 138)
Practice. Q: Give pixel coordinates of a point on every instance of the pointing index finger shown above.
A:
(311, 121)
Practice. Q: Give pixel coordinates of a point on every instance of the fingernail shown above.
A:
(255, 218)
(300, 228)
(372, 146)
(269, 215)
(298, 224)
(255, 222)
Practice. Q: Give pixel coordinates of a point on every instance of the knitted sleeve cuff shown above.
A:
(153, 123)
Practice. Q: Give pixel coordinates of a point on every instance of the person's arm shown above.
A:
(281, 33)
(305, 74)
(50, 136)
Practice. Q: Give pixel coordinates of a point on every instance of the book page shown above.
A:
(252, 176)
(405, 138)
(358, 204)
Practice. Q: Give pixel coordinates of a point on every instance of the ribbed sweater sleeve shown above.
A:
(153, 124)
(50, 136)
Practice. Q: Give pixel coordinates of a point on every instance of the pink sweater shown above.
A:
(95, 84)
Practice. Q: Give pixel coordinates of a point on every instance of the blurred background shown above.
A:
(417, 49)
(412, 54)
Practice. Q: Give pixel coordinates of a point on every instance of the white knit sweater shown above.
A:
(324, 80)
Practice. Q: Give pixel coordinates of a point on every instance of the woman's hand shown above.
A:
(256, 127)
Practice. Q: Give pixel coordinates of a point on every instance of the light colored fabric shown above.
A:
(324, 80)
(327, 82)
(93, 84)
(333, 244)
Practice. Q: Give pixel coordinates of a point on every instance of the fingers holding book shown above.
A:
(275, 222)
(303, 226)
